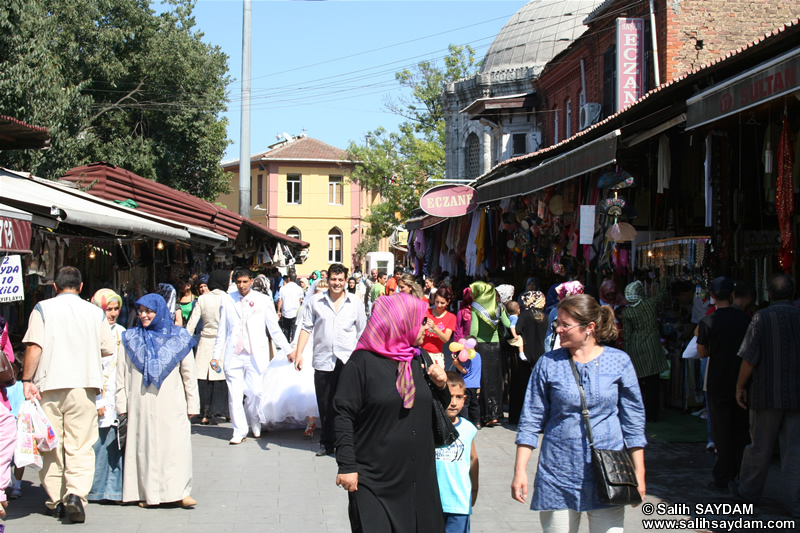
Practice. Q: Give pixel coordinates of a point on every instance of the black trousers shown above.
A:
(491, 381)
(325, 386)
(287, 327)
(213, 398)
(651, 396)
(472, 409)
(730, 425)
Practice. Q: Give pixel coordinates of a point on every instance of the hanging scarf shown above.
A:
(219, 279)
(634, 293)
(391, 331)
(485, 302)
(156, 350)
(103, 297)
(784, 202)
(167, 291)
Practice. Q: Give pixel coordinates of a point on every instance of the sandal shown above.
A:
(205, 422)
(3, 506)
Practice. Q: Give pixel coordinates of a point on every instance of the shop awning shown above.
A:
(767, 81)
(15, 230)
(16, 135)
(75, 207)
(591, 156)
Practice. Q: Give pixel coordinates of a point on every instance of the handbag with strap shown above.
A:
(8, 374)
(444, 432)
(613, 469)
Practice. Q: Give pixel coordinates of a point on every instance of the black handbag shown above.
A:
(444, 432)
(613, 469)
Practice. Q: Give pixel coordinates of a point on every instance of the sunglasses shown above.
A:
(425, 321)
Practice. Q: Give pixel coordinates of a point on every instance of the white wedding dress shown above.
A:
(289, 396)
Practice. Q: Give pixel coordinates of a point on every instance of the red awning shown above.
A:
(15, 230)
(15, 134)
(114, 183)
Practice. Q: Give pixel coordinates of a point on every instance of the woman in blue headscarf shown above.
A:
(157, 389)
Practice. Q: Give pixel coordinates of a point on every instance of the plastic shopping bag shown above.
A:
(49, 439)
(28, 432)
(691, 350)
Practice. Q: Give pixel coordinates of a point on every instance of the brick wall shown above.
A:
(699, 31)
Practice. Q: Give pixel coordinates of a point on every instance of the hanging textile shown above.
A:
(664, 164)
(785, 197)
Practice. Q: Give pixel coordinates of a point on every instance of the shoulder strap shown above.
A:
(584, 409)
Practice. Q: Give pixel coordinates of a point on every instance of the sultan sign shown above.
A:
(630, 61)
(449, 201)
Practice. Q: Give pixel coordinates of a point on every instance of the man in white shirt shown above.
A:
(243, 347)
(337, 318)
(290, 298)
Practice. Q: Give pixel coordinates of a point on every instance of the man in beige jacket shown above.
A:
(65, 340)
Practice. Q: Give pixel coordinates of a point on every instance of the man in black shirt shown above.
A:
(719, 337)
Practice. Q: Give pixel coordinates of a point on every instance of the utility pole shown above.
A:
(244, 138)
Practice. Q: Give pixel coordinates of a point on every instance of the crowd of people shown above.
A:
(366, 360)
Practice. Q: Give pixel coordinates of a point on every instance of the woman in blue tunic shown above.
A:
(565, 483)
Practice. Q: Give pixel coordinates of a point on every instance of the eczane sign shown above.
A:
(630, 61)
(448, 201)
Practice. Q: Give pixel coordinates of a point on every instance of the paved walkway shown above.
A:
(277, 484)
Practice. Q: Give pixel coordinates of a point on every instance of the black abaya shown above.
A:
(390, 447)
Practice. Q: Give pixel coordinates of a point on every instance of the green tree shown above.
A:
(398, 165)
(113, 81)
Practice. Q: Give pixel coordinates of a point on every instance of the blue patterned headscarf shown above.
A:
(156, 350)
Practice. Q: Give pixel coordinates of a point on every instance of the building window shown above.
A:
(293, 232)
(568, 124)
(293, 189)
(555, 126)
(610, 81)
(519, 144)
(473, 156)
(260, 190)
(335, 246)
(335, 190)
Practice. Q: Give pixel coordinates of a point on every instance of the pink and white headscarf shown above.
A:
(391, 331)
(568, 288)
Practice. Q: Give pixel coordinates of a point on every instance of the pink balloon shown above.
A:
(463, 355)
(462, 342)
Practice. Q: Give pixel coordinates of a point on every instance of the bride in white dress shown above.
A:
(289, 399)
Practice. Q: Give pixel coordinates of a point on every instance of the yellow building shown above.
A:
(301, 187)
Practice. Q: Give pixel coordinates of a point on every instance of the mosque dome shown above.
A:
(539, 31)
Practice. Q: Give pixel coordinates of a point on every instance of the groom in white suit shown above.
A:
(243, 346)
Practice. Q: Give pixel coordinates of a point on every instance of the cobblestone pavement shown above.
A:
(277, 484)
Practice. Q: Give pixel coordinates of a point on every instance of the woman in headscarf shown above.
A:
(532, 326)
(486, 316)
(561, 291)
(609, 295)
(107, 483)
(8, 427)
(384, 435)
(210, 374)
(643, 342)
(157, 389)
(464, 315)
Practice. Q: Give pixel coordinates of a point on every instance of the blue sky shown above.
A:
(327, 67)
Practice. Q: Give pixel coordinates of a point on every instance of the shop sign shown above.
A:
(449, 201)
(630, 61)
(11, 279)
(765, 82)
(586, 231)
(15, 235)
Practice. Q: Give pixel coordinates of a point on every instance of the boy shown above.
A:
(512, 308)
(456, 470)
(471, 372)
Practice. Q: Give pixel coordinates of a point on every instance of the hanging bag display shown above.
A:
(444, 432)
(614, 474)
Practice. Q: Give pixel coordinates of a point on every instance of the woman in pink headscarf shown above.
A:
(384, 436)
